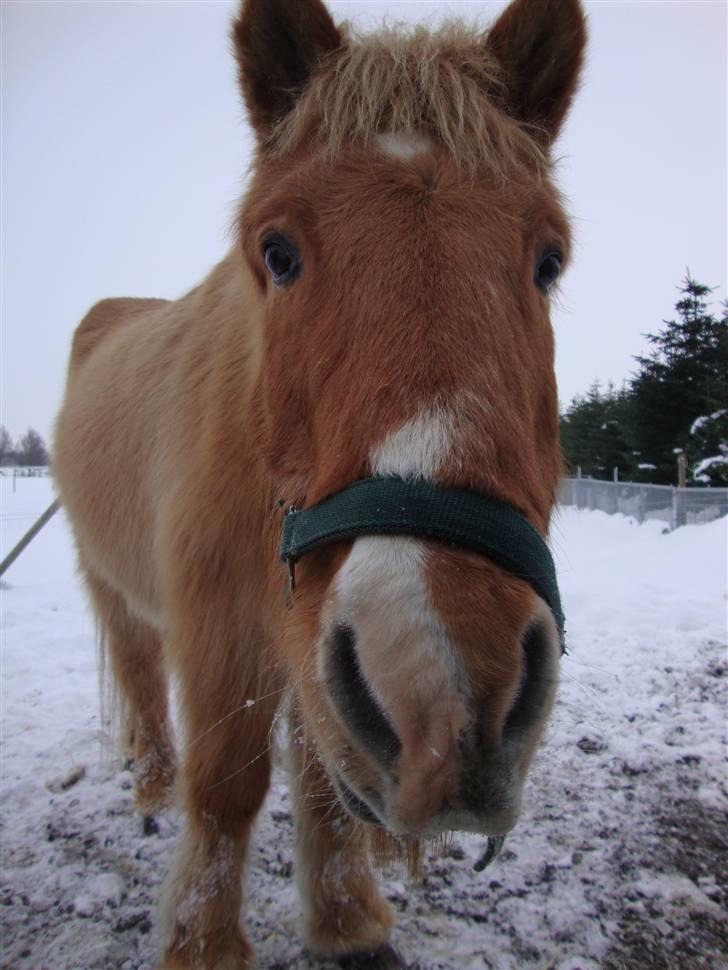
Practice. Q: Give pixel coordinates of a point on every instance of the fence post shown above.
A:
(681, 470)
(29, 535)
(681, 510)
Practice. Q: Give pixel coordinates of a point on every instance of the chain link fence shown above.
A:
(676, 506)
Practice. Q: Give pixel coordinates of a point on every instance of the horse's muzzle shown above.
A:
(437, 757)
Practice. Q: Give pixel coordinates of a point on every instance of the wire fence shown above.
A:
(25, 471)
(676, 506)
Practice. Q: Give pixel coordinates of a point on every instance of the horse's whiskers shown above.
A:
(245, 706)
(238, 771)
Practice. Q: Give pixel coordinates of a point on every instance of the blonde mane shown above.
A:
(443, 84)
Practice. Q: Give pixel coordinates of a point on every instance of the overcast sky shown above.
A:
(124, 149)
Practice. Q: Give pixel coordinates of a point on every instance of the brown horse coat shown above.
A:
(384, 310)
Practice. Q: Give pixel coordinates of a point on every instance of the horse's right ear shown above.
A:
(278, 44)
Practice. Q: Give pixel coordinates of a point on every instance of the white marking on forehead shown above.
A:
(403, 144)
(418, 449)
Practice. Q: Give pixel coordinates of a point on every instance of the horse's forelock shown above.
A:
(444, 84)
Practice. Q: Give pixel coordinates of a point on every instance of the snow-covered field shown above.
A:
(619, 860)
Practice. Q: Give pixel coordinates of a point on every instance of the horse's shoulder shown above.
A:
(105, 317)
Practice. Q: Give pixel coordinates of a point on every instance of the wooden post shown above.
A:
(29, 535)
(681, 517)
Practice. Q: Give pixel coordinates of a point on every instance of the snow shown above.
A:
(707, 463)
(699, 423)
(618, 861)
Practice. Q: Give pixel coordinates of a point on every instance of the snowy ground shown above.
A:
(619, 860)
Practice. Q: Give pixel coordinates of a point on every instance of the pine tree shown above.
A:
(685, 377)
(594, 433)
(579, 426)
(707, 450)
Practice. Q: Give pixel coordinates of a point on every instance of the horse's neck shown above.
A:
(222, 320)
(227, 296)
(220, 358)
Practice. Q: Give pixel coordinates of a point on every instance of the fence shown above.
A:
(24, 471)
(676, 506)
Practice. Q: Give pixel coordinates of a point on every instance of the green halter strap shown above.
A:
(397, 506)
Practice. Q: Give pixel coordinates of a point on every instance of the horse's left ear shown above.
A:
(278, 44)
(540, 46)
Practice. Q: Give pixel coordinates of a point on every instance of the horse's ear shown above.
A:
(277, 45)
(540, 46)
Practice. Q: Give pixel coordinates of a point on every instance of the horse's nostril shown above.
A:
(354, 699)
(537, 682)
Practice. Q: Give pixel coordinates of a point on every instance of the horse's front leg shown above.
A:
(225, 778)
(345, 916)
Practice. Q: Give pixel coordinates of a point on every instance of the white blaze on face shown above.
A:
(387, 571)
(416, 450)
(403, 650)
(403, 144)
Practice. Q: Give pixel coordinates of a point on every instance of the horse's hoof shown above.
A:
(384, 958)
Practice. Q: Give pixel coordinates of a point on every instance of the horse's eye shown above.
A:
(281, 259)
(547, 271)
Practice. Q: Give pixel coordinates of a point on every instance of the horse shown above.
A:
(382, 315)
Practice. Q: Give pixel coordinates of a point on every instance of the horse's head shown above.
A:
(405, 236)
